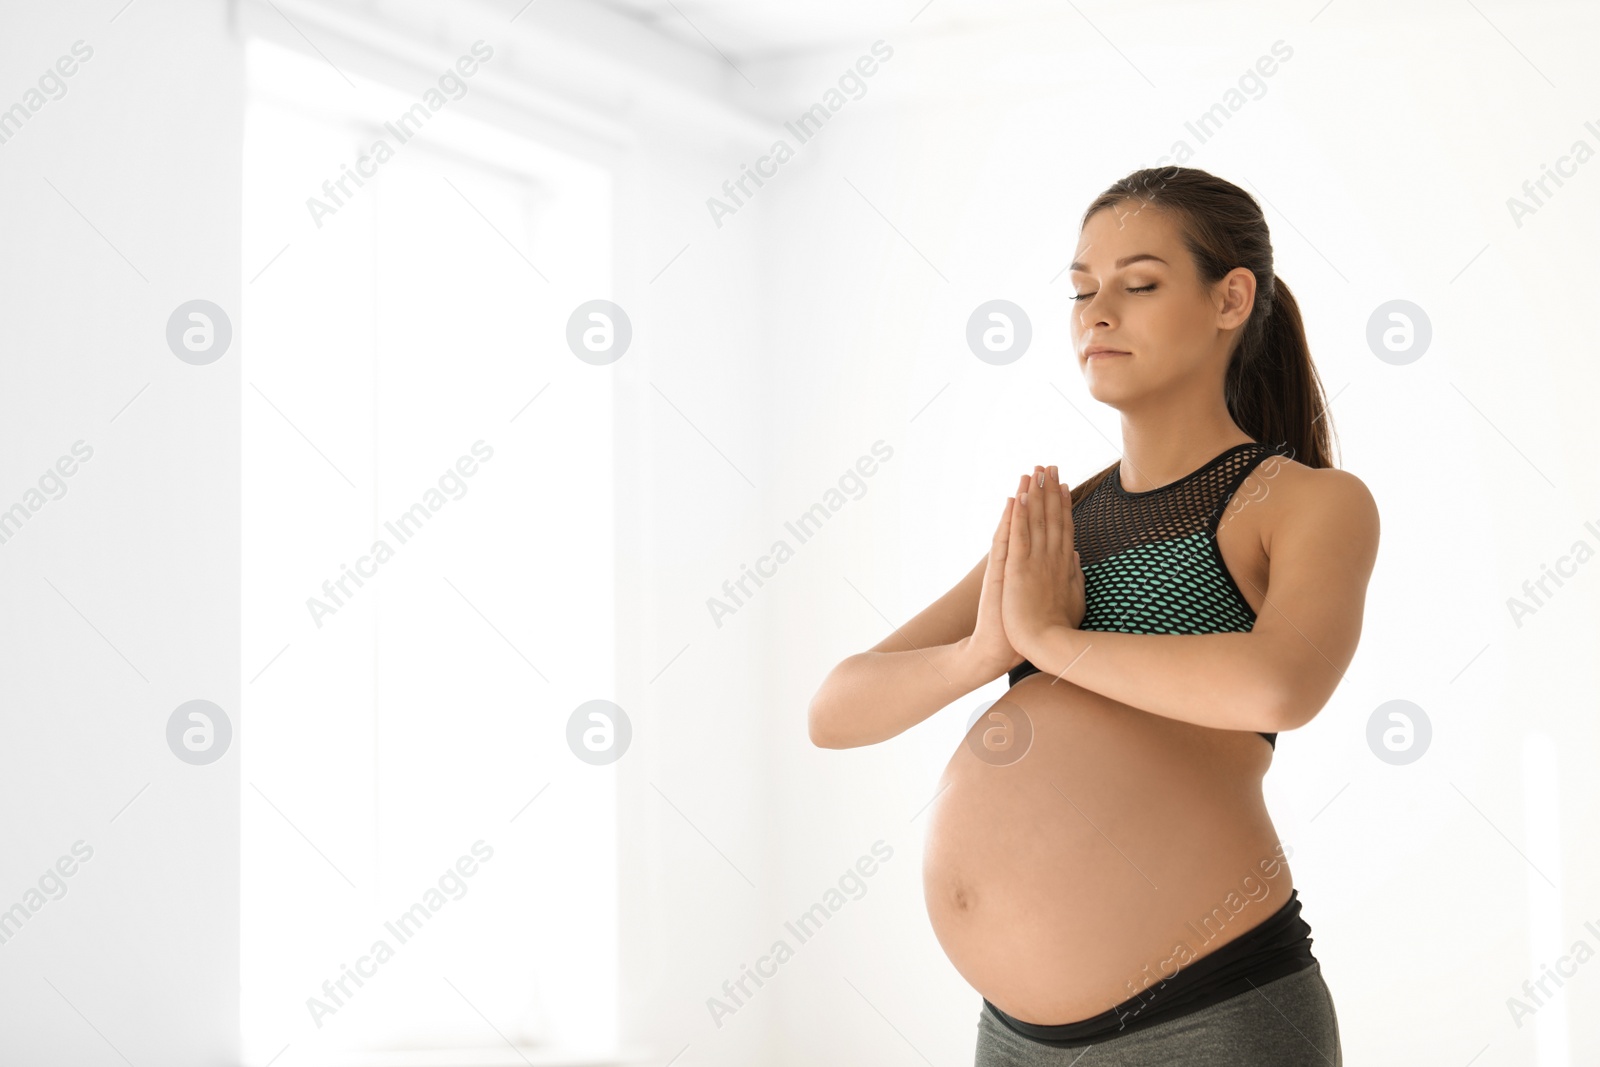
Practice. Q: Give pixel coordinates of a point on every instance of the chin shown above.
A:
(1112, 394)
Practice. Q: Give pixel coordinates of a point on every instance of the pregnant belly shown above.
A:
(1116, 848)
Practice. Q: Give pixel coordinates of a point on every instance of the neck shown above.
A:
(1159, 447)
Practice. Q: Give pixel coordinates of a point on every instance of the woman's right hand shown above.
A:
(988, 645)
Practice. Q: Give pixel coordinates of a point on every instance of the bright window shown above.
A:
(427, 581)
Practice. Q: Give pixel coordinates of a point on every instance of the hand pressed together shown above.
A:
(1043, 583)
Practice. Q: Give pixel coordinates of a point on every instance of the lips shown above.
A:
(1100, 351)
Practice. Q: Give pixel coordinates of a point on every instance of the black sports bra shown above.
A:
(1150, 560)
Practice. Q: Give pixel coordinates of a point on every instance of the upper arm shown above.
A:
(948, 619)
(1321, 547)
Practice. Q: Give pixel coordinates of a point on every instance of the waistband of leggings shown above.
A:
(1273, 949)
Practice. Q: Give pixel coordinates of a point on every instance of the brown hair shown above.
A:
(1271, 388)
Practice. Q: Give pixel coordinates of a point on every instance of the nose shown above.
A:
(1094, 313)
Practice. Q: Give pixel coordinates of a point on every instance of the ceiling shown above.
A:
(774, 28)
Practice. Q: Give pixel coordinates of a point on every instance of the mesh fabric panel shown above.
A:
(1151, 563)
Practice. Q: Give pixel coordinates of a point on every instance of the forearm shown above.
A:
(1217, 680)
(872, 696)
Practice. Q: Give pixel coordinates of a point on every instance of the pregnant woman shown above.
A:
(1100, 864)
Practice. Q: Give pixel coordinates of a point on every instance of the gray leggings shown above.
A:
(1288, 1022)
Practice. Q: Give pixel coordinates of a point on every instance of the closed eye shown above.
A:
(1137, 289)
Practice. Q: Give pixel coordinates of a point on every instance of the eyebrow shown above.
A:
(1083, 268)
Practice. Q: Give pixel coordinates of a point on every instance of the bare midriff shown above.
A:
(1121, 846)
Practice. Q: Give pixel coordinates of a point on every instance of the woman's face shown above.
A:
(1137, 291)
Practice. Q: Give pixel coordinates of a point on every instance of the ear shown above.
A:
(1236, 295)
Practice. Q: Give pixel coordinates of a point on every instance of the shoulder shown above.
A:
(1327, 499)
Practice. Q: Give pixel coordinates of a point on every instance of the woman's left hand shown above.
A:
(1043, 582)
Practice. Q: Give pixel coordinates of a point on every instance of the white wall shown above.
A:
(122, 595)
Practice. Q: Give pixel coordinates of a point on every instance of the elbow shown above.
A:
(827, 713)
(819, 736)
(819, 728)
(1288, 708)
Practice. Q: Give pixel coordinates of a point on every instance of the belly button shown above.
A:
(963, 900)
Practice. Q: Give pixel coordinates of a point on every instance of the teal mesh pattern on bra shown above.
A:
(1150, 560)
(1166, 587)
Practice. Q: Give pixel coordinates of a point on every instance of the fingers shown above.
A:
(1069, 535)
(1045, 511)
(1052, 510)
(1038, 532)
(1019, 539)
(1002, 537)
